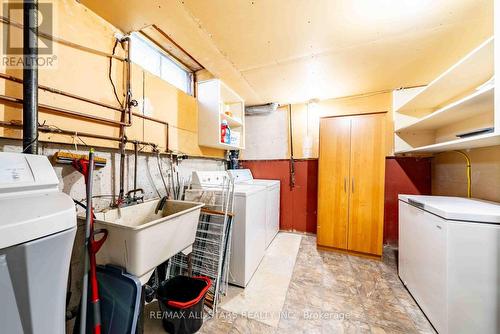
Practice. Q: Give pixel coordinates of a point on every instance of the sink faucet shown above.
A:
(161, 204)
(133, 198)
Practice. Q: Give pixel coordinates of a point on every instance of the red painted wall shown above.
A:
(298, 204)
(403, 176)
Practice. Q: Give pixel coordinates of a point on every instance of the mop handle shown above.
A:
(88, 212)
(96, 310)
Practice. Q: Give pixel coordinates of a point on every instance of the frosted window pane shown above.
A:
(152, 60)
(145, 56)
(172, 73)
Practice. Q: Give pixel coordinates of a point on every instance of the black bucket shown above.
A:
(181, 300)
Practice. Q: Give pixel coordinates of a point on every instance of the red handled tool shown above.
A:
(92, 246)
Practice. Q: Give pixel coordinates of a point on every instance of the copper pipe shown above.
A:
(80, 98)
(128, 86)
(168, 131)
(126, 111)
(149, 118)
(177, 45)
(6, 20)
(68, 112)
(171, 55)
(60, 92)
(49, 129)
(136, 154)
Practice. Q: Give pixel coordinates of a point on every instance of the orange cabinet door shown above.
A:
(333, 182)
(367, 168)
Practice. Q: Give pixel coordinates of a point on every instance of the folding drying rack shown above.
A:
(212, 246)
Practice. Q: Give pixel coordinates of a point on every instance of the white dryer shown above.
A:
(248, 237)
(244, 176)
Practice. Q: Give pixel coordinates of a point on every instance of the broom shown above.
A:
(67, 158)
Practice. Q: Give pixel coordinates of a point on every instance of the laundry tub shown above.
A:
(140, 239)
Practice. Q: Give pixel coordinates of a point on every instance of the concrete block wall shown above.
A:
(106, 184)
(106, 180)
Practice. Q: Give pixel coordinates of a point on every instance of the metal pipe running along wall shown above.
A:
(77, 97)
(57, 130)
(30, 76)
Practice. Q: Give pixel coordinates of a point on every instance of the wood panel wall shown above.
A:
(86, 74)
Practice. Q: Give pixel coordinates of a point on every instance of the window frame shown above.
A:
(163, 56)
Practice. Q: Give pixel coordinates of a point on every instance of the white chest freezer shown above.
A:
(449, 259)
(37, 230)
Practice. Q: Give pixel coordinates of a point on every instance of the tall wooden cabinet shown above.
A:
(351, 183)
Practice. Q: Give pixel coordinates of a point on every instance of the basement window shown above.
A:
(154, 60)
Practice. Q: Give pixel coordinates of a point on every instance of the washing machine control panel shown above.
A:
(26, 172)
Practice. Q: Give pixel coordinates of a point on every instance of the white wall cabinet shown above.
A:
(217, 102)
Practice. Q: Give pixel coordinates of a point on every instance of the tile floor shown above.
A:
(332, 293)
(265, 294)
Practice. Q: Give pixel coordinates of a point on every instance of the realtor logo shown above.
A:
(13, 50)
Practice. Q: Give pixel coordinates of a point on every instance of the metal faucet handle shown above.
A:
(135, 191)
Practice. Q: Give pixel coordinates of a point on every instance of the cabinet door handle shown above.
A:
(353, 185)
(345, 184)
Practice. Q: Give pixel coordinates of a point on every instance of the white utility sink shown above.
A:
(139, 240)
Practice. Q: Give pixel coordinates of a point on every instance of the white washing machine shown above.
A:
(449, 259)
(37, 230)
(244, 176)
(248, 242)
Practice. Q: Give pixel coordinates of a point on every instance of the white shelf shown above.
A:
(228, 146)
(460, 100)
(479, 102)
(214, 98)
(233, 123)
(489, 139)
(470, 72)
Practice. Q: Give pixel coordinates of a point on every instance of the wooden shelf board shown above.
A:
(479, 102)
(470, 72)
(485, 140)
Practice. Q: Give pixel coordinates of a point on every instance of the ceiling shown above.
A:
(291, 51)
